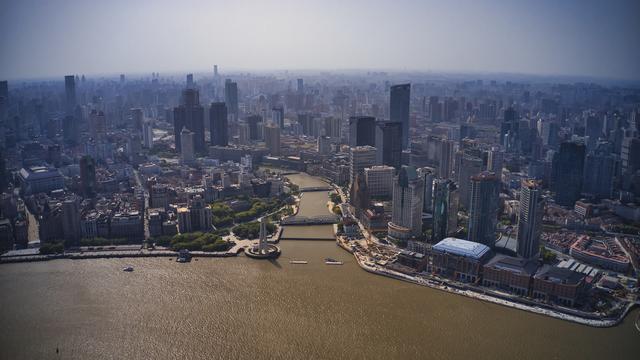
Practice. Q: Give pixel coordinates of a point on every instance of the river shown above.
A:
(240, 308)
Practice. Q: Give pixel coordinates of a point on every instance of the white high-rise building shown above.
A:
(187, 155)
(495, 161)
(408, 195)
(360, 157)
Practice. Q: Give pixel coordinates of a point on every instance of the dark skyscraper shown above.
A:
(190, 115)
(567, 173)
(4, 89)
(362, 131)
(300, 86)
(70, 92)
(599, 169)
(399, 109)
(231, 97)
(445, 209)
(389, 143)
(88, 176)
(483, 208)
(218, 124)
(254, 121)
(189, 81)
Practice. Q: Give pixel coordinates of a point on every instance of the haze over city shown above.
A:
(597, 39)
(319, 179)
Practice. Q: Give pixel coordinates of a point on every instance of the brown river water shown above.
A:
(240, 308)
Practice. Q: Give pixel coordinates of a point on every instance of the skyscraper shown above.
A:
(362, 131)
(483, 208)
(599, 170)
(137, 117)
(218, 125)
(231, 98)
(445, 158)
(254, 131)
(408, 195)
(190, 81)
(495, 161)
(70, 92)
(389, 143)
(360, 157)
(427, 175)
(469, 166)
(147, 134)
(277, 116)
(190, 115)
(445, 209)
(399, 109)
(567, 173)
(88, 176)
(630, 155)
(187, 146)
(71, 220)
(272, 139)
(529, 219)
(300, 86)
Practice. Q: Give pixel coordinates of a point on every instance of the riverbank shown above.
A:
(505, 300)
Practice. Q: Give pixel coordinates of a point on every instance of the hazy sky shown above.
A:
(582, 37)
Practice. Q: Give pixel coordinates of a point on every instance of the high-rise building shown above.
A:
(300, 86)
(88, 176)
(4, 89)
(71, 220)
(530, 219)
(277, 116)
(469, 166)
(362, 131)
(567, 173)
(187, 149)
(379, 180)
(137, 117)
(408, 195)
(231, 98)
(218, 125)
(495, 161)
(254, 122)
(389, 143)
(599, 170)
(360, 157)
(324, 145)
(147, 134)
(272, 139)
(592, 130)
(427, 175)
(445, 209)
(70, 92)
(630, 155)
(399, 109)
(190, 81)
(445, 158)
(190, 115)
(97, 125)
(483, 208)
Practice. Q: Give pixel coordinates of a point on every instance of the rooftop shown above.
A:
(462, 247)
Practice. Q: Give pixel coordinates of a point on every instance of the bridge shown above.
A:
(316, 188)
(305, 220)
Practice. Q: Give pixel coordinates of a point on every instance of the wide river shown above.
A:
(240, 308)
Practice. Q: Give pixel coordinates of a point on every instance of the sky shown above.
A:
(594, 38)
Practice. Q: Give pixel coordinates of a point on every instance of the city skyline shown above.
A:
(495, 37)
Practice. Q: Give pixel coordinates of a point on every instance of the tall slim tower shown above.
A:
(445, 209)
(187, 146)
(262, 245)
(389, 143)
(231, 98)
(399, 109)
(70, 92)
(567, 173)
(218, 125)
(408, 196)
(190, 115)
(445, 158)
(530, 219)
(272, 139)
(88, 176)
(483, 209)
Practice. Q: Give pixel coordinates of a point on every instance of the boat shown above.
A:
(298, 262)
(330, 261)
(127, 268)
